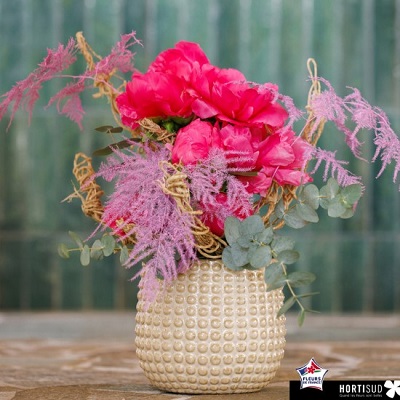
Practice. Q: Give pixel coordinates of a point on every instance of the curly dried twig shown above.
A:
(84, 173)
(174, 183)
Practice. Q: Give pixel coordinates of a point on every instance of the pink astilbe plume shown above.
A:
(387, 145)
(72, 107)
(374, 119)
(294, 113)
(26, 92)
(334, 167)
(328, 106)
(139, 205)
(213, 176)
(120, 57)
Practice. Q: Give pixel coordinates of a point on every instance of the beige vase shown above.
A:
(213, 331)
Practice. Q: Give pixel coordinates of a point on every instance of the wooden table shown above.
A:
(90, 356)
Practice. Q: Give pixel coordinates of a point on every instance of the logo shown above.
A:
(394, 388)
(311, 375)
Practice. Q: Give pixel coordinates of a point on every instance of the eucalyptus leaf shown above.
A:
(108, 245)
(347, 214)
(333, 187)
(251, 225)
(245, 241)
(281, 243)
(63, 251)
(328, 192)
(300, 278)
(261, 257)
(279, 210)
(288, 256)
(306, 212)
(234, 257)
(96, 252)
(301, 317)
(336, 208)
(74, 236)
(265, 236)
(232, 229)
(286, 306)
(293, 220)
(310, 196)
(85, 255)
(124, 255)
(273, 273)
(351, 194)
(279, 283)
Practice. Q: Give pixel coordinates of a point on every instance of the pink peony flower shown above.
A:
(226, 95)
(153, 94)
(281, 158)
(194, 141)
(240, 146)
(180, 60)
(258, 184)
(163, 91)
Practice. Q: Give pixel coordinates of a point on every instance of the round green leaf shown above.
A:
(293, 220)
(124, 256)
(96, 252)
(63, 250)
(288, 256)
(281, 243)
(300, 278)
(229, 260)
(245, 241)
(232, 229)
(351, 194)
(279, 210)
(85, 255)
(306, 212)
(265, 236)
(74, 236)
(328, 192)
(336, 208)
(260, 257)
(273, 273)
(239, 255)
(310, 196)
(108, 243)
(347, 214)
(251, 225)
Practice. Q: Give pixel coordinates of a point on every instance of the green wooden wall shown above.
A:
(355, 42)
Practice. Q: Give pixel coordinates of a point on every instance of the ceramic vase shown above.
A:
(212, 331)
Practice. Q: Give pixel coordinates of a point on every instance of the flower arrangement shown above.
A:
(209, 164)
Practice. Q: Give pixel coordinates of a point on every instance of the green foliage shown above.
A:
(103, 247)
(339, 202)
(251, 245)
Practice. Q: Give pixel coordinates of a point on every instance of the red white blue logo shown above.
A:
(311, 375)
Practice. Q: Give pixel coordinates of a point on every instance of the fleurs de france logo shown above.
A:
(311, 375)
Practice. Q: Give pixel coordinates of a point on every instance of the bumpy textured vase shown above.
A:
(213, 331)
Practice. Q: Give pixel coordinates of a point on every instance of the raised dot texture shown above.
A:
(213, 331)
